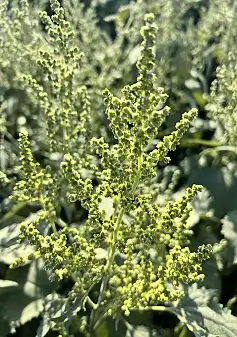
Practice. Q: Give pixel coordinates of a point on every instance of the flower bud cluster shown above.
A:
(136, 250)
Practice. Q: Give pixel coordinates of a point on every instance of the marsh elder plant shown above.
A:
(130, 254)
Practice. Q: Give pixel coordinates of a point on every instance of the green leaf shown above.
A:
(10, 249)
(54, 307)
(110, 327)
(17, 309)
(142, 331)
(33, 279)
(22, 294)
(222, 185)
(229, 230)
(202, 315)
(33, 309)
(10, 254)
(7, 286)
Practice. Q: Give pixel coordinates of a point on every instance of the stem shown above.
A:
(91, 303)
(112, 249)
(153, 308)
(189, 142)
(53, 226)
(221, 148)
(61, 223)
(13, 211)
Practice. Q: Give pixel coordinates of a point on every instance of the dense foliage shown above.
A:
(118, 168)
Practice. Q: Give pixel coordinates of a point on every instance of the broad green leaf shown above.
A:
(9, 235)
(202, 315)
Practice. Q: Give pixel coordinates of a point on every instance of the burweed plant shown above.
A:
(137, 251)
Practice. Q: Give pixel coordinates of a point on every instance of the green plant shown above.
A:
(131, 251)
(140, 282)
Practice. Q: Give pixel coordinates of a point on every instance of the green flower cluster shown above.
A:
(138, 250)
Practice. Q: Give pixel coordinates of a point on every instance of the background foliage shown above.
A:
(196, 64)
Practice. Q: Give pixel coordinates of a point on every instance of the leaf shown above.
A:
(22, 295)
(192, 84)
(17, 309)
(142, 331)
(134, 54)
(72, 311)
(9, 235)
(10, 249)
(33, 279)
(7, 286)
(229, 230)
(110, 327)
(54, 307)
(202, 315)
(222, 185)
(33, 309)
(43, 328)
(10, 254)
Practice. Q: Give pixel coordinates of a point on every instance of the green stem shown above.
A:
(220, 148)
(189, 142)
(153, 308)
(231, 302)
(112, 249)
(61, 223)
(13, 211)
(91, 303)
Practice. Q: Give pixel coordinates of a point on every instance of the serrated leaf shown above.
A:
(44, 327)
(68, 314)
(202, 315)
(54, 306)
